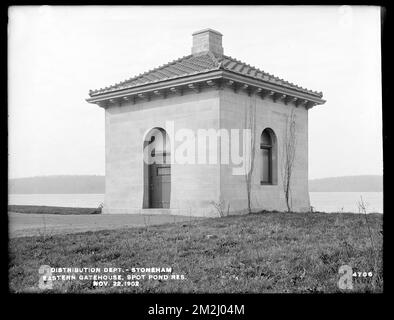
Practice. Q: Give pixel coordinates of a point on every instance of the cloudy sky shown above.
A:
(56, 54)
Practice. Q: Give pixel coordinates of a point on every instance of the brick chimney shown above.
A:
(207, 40)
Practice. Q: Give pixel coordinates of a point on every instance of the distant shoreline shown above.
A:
(104, 192)
(31, 209)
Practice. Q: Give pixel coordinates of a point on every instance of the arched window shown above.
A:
(268, 156)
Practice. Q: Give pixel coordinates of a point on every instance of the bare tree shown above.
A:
(220, 207)
(289, 148)
(249, 151)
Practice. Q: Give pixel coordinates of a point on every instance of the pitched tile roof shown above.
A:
(195, 64)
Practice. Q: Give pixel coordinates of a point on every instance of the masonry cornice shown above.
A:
(217, 79)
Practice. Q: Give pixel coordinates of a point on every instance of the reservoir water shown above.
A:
(321, 201)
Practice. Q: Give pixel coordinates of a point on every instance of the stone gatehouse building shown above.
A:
(204, 90)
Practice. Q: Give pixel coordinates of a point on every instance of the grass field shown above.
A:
(39, 224)
(266, 252)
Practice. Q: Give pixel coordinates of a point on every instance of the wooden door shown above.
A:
(159, 185)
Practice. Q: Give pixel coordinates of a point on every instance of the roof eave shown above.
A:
(270, 86)
(205, 76)
(165, 84)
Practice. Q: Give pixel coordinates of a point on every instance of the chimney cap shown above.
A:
(206, 30)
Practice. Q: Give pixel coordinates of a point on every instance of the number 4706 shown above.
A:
(360, 274)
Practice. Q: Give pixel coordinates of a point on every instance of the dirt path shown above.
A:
(22, 224)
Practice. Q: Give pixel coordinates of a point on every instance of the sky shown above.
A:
(56, 54)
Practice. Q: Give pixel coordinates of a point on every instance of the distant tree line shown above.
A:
(96, 184)
(366, 183)
(57, 184)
